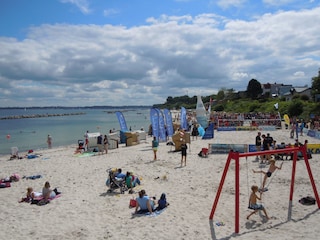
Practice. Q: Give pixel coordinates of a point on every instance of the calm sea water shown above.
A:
(31, 133)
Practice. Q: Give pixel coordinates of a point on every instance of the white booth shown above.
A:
(92, 137)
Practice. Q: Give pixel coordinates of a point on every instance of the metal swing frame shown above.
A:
(236, 155)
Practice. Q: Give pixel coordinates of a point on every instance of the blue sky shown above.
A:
(134, 52)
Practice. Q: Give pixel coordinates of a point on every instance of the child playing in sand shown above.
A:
(253, 202)
(271, 170)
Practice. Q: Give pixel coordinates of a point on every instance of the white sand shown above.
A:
(86, 211)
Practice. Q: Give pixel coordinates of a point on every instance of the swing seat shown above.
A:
(263, 189)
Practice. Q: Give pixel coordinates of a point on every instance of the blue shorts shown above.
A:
(256, 206)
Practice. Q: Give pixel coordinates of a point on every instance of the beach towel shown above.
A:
(33, 177)
(40, 201)
(85, 154)
(147, 213)
(5, 184)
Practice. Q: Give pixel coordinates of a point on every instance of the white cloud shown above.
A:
(172, 55)
(83, 5)
(230, 3)
(110, 12)
(299, 74)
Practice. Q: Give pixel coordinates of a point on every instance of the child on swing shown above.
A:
(253, 202)
(268, 174)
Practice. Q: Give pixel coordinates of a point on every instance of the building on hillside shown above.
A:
(287, 91)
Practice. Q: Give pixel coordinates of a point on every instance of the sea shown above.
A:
(66, 128)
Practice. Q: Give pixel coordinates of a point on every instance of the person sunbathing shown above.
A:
(30, 195)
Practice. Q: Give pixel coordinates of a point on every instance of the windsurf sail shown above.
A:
(202, 117)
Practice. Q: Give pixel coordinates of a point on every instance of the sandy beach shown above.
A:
(86, 210)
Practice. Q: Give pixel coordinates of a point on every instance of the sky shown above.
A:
(140, 52)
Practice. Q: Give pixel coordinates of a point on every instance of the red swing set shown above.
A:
(236, 155)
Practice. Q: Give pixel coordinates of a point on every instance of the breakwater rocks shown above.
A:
(41, 115)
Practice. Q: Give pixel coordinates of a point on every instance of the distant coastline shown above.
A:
(41, 115)
(80, 107)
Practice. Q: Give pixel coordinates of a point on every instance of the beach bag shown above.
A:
(132, 203)
(307, 200)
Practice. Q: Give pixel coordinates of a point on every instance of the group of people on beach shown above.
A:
(101, 142)
(266, 142)
(183, 146)
(145, 204)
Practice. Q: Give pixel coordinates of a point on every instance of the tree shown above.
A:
(169, 100)
(254, 89)
(315, 86)
(221, 95)
(295, 108)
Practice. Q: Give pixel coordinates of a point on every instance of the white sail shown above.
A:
(202, 117)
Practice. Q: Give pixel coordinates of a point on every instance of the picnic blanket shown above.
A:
(147, 213)
(5, 184)
(40, 201)
(85, 154)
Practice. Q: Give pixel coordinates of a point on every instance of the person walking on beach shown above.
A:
(155, 145)
(49, 141)
(105, 143)
(184, 148)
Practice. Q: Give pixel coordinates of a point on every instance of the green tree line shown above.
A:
(227, 100)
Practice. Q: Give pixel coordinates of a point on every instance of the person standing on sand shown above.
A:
(155, 145)
(99, 143)
(184, 148)
(258, 144)
(49, 141)
(105, 143)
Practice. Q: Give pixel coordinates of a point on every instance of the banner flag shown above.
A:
(168, 119)
(122, 121)
(154, 117)
(162, 129)
(183, 120)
